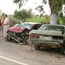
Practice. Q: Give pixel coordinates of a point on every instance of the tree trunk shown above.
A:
(53, 18)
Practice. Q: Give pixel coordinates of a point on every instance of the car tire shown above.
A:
(63, 50)
(26, 37)
(36, 46)
(27, 41)
(8, 37)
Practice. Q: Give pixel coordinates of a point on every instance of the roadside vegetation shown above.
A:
(28, 16)
(13, 20)
(43, 20)
(37, 19)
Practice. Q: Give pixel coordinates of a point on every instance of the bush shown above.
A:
(43, 20)
(13, 21)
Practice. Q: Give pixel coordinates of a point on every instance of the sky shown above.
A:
(8, 7)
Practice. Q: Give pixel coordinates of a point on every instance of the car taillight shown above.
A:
(34, 36)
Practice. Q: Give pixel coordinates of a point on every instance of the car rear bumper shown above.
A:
(47, 42)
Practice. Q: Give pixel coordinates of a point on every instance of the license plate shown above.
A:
(42, 37)
(48, 38)
(45, 38)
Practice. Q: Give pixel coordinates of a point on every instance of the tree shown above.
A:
(22, 14)
(20, 2)
(55, 6)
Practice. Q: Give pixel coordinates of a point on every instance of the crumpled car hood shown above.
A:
(16, 29)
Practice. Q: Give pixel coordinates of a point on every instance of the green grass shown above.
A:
(38, 19)
(13, 20)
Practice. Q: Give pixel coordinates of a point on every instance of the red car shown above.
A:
(20, 33)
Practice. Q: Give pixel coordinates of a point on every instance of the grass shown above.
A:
(38, 19)
(43, 20)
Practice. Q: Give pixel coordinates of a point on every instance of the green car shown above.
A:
(51, 36)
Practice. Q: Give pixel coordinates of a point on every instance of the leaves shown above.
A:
(19, 2)
(44, 1)
(16, 1)
(55, 5)
(23, 14)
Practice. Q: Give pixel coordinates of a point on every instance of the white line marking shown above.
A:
(13, 60)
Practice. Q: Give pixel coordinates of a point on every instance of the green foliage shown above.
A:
(40, 8)
(44, 20)
(13, 20)
(23, 14)
(61, 19)
(19, 2)
(3, 14)
(39, 19)
(55, 5)
(16, 1)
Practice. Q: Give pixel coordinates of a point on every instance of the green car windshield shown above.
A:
(25, 25)
(52, 27)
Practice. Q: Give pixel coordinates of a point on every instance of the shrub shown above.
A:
(13, 21)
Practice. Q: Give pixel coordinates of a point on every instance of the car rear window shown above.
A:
(52, 27)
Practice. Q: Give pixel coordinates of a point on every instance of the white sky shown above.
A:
(8, 7)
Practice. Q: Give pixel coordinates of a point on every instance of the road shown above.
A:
(15, 54)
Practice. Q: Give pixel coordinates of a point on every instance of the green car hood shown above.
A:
(46, 32)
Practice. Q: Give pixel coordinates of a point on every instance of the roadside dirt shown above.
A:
(31, 56)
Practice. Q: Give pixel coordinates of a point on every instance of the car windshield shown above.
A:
(25, 25)
(51, 27)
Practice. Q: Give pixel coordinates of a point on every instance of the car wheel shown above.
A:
(8, 37)
(36, 47)
(63, 50)
(26, 37)
(27, 41)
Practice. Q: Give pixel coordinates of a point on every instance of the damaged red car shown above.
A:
(20, 33)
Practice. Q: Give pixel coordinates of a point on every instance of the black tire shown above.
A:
(8, 37)
(26, 37)
(63, 50)
(27, 41)
(36, 46)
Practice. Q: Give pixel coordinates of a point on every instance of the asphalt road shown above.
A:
(15, 54)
